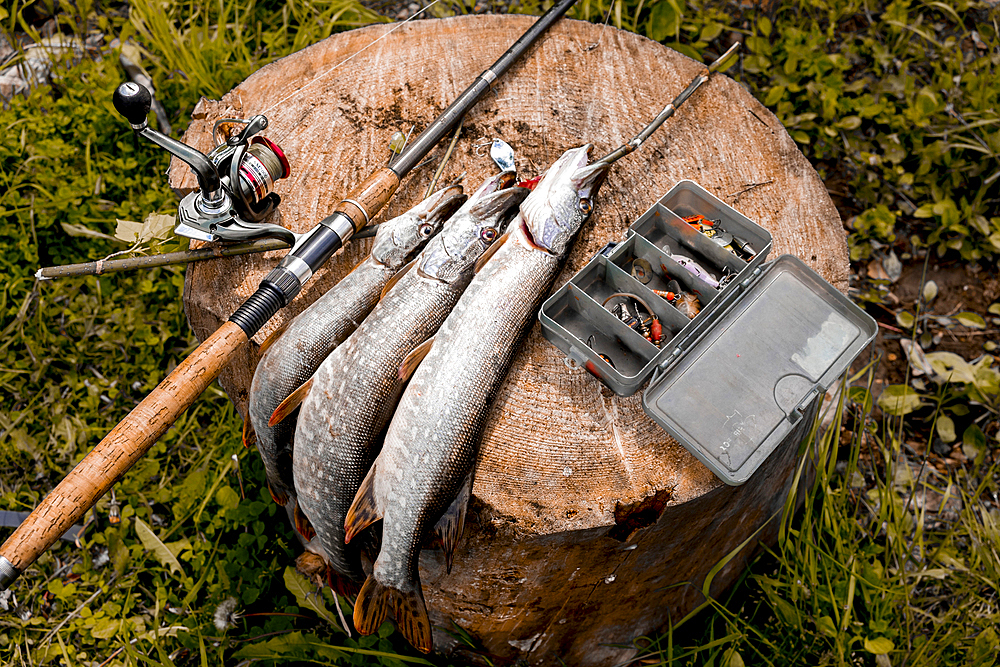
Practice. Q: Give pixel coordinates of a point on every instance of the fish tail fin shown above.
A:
(411, 618)
(302, 524)
(372, 605)
(249, 435)
(450, 526)
(290, 404)
(279, 497)
(341, 584)
(364, 510)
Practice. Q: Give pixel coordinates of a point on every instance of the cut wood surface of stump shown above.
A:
(586, 515)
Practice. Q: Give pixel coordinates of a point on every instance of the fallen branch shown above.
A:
(102, 266)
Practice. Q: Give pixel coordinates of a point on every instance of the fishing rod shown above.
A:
(127, 442)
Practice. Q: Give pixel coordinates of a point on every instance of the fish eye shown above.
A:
(586, 206)
(489, 234)
(426, 229)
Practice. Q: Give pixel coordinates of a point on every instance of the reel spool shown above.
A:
(236, 179)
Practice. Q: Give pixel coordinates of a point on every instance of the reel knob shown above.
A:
(132, 101)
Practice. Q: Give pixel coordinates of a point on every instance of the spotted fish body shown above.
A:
(356, 388)
(325, 324)
(424, 468)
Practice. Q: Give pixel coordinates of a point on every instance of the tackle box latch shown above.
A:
(796, 414)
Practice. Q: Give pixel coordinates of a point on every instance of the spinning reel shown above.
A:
(235, 179)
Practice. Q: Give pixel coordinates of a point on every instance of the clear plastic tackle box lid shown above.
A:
(739, 389)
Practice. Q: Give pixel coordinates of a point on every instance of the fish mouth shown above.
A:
(448, 200)
(498, 204)
(490, 186)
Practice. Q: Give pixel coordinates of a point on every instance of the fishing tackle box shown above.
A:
(732, 382)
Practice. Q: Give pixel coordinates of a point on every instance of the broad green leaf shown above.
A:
(128, 231)
(994, 308)
(930, 291)
(987, 380)
(973, 442)
(106, 628)
(905, 319)
(154, 544)
(825, 625)
(306, 595)
(971, 320)
(879, 645)
(946, 428)
(227, 497)
(899, 400)
(950, 367)
(986, 647)
(788, 614)
(732, 658)
(155, 226)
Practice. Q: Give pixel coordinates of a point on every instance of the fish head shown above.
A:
(472, 230)
(397, 239)
(562, 200)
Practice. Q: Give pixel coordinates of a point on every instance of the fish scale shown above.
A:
(355, 389)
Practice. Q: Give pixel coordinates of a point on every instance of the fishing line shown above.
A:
(349, 58)
(601, 36)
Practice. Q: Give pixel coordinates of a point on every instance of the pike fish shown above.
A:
(424, 471)
(295, 355)
(355, 390)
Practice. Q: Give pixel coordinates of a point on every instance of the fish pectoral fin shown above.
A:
(450, 526)
(341, 584)
(492, 250)
(270, 340)
(413, 359)
(279, 497)
(396, 278)
(290, 404)
(364, 510)
(302, 524)
(249, 435)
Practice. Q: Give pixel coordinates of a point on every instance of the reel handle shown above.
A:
(132, 101)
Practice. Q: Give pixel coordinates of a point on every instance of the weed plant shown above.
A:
(894, 103)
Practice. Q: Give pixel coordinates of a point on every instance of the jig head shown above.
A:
(235, 179)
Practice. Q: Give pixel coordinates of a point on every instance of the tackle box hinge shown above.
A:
(669, 361)
(749, 279)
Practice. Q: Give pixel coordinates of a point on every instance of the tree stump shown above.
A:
(573, 555)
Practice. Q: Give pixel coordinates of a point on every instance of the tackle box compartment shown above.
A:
(732, 381)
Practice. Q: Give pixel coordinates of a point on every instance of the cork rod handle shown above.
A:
(117, 452)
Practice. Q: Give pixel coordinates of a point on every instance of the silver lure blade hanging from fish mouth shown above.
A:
(503, 155)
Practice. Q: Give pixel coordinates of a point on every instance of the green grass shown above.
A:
(887, 100)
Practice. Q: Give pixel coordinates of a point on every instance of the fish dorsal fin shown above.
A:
(492, 250)
(451, 524)
(413, 359)
(290, 404)
(364, 510)
(249, 435)
(270, 340)
(395, 279)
